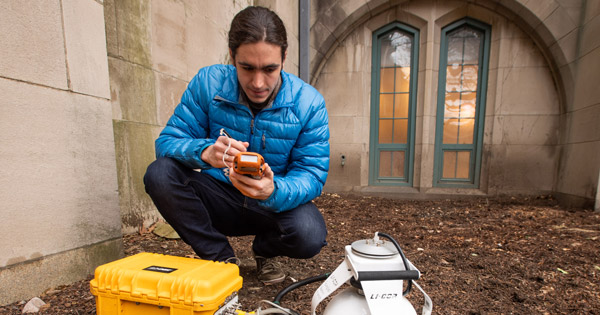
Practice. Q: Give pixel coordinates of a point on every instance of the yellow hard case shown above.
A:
(158, 284)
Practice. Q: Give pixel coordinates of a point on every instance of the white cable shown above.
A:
(275, 309)
(224, 133)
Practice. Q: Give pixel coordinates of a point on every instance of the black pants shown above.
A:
(204, 211)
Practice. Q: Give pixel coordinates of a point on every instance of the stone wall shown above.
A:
(541, 107)
(58, 181)
(578, 174)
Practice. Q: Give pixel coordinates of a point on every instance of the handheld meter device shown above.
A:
(249, 163)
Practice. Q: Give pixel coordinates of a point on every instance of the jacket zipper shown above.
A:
(264, 141)
(252, 126)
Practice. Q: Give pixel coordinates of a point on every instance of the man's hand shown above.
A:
(215, 153)
(254, 188)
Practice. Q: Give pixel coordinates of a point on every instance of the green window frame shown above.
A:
(464, 54)
(393, 110)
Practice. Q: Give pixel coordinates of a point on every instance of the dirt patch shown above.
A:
(477, 256)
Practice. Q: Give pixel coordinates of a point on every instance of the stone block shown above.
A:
(560, 23)
(587, 92)
(377, 6)
(597, 201)
(343, 129)
(61, 181)
(591, 10)
(528, 130)
(528, 167)
(349, 174)
(589, 36)
(25, 280)
(565, 50)
(315, 62)
(351, 56)
(168, 95)
(519, 52)
(538, 10)
(133, 93)
(110, 24)
(424, 159)
(426, 127)
(567, 75)
(528, 91)
(584, 125)
(344, 93)
(206, 34)
(497, 130)
(168, 38)
(321, 38)
(354, 13)
(380, 19)
(577, 175)
(134, 143)
(85, 43)
(32, 49)
(574, 9)
(133, 31)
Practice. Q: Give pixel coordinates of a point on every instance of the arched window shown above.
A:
(461, 103)
(393, 93)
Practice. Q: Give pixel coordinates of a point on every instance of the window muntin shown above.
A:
(463, 77)
(392, 111)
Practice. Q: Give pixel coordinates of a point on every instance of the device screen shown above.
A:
(249, 158)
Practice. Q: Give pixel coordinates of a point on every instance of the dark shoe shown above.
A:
(268, 270)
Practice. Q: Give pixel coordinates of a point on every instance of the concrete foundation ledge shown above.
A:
(572, 201)
(404, 192)
(29, 279)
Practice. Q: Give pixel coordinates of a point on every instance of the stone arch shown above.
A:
(336, 20)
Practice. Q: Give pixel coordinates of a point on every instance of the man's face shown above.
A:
(258, 68)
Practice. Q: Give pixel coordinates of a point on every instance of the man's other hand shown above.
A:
(254, 188)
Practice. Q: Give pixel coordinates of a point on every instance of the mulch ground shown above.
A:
(505, 255)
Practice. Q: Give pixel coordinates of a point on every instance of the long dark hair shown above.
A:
(256, 24)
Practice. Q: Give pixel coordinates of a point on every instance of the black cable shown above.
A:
(406, 266)
(324, 276)
(298, 284)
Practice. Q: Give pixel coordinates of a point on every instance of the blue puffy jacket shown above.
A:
(292, 135)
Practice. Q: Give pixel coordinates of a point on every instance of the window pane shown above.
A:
(453, 78)
(385, 130)
(449, 164)
(450, 131)
(455, 50)
(400, 130)
(462, 165)
(398, 164)
(452, 105)
(465, 133)
(396, 49)
(391, 163)
(385, 164)
(456, 164)
(467, 104)
(471, 50)
(387, 80)
(386, 106)
(402, 79)
(401, 106)
(469, 78)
